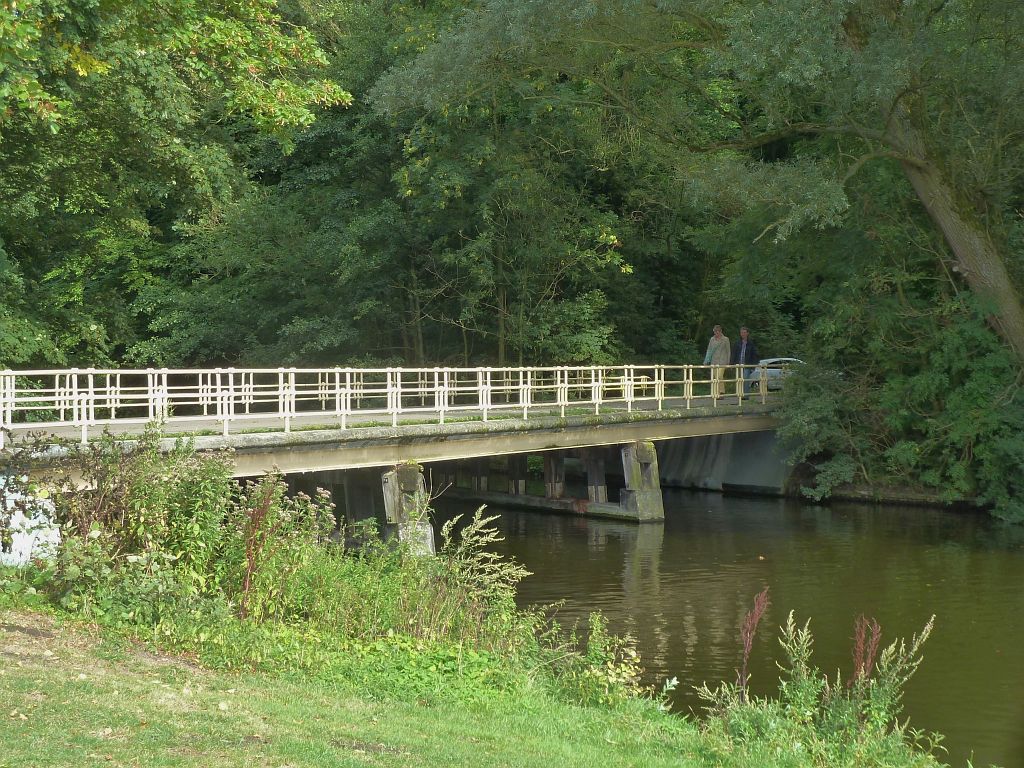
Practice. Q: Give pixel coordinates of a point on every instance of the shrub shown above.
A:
(819, 721)
(268, 538)
(161, 535)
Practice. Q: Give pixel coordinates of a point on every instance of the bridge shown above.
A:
(326, 419)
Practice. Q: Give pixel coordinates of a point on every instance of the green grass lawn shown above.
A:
(70, 696)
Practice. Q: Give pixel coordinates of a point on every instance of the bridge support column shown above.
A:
(463, 475)
(405, 506)
(597, 485)
(517, 471)
(554, 474)
(642, 495)
(640, 501)
(438, 476)
(448, 475)
(481, 471)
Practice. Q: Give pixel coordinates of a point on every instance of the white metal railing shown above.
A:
(80, 401)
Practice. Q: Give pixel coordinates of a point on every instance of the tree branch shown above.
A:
(798, 129)
(863, 159)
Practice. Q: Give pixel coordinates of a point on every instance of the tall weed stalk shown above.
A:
(831, 723)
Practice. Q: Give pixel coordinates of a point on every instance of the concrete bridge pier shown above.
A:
(443, 475)
(639, 501)
(597, 483)
(517, 472)
(405, 506)
(554, 474)
(642, 494)
(480, 474)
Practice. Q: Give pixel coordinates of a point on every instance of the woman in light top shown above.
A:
(718, 356)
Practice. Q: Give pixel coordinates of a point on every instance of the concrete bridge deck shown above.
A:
(236, 403)
(322, 420)
(375, 446)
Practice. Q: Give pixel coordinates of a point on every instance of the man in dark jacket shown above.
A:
(744, 352)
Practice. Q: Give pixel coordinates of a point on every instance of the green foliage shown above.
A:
(167, 545)
(818, 721)
(936, 409)
(607, 672)
(90, 580)
(118, 124)
(243, 50)
(275, 537)
(145, 501)
(546, 182)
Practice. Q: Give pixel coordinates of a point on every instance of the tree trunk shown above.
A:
(416, 321)
(502, 311)
(976, 256)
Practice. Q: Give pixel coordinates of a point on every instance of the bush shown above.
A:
(163, 540)
(818, 721)
(607, 672)
(242, 575)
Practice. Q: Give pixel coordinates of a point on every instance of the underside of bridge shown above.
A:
(319, 450)
(490, 461)
(567, 466)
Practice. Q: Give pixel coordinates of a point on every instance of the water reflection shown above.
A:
(682, 589)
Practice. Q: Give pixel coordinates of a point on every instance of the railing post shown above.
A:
(688, 384)
(596, 382)
(292, 395)
(164, 395)
(439, 394)
(150, 387)
(248, 390)
(76, 406)
(562, 388)
(230, 401)
(60, 396)
(113, 394)
(394, 394)
(524, 391)
(446, 391)
(205, 389)
(282, 399)
(214, 381)
(6, 405)
(346, 403)
(336, 378)
(90, 403)
(323, 387)
(484, 378)
(659, 385)
(628, 388)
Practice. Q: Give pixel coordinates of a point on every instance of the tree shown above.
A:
(782, 103)
(934, 86)
(851, 171)
(440, 237)
(117, 123)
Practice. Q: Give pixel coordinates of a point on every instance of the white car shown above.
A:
(773, 370)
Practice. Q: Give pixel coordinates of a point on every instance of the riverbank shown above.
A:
(233, 626)
(75, 695)
(892, 492)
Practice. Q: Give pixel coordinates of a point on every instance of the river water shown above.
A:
(682, 589)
